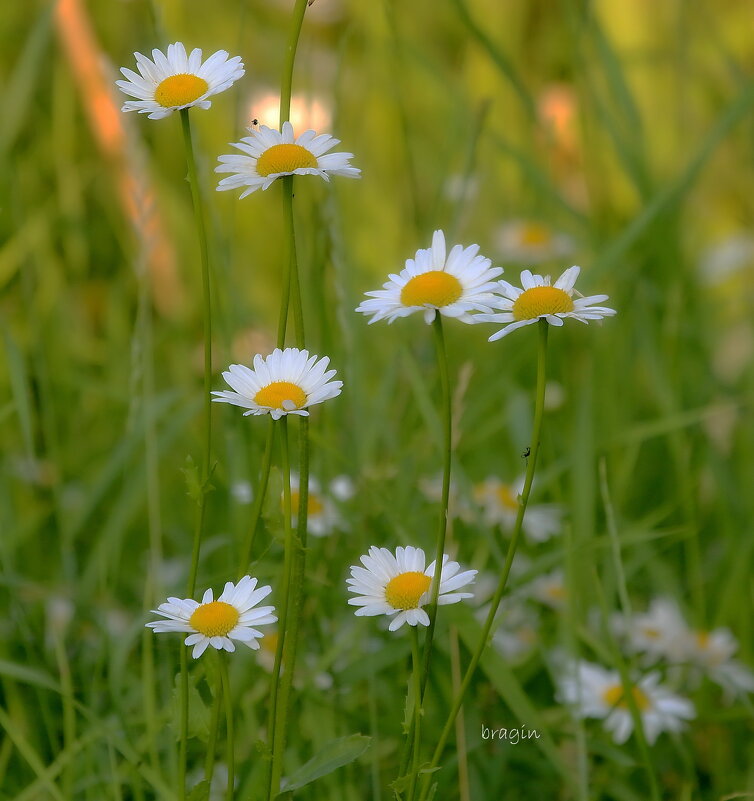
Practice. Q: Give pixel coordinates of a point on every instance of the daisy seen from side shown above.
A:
(268, 154)
(398, 585)
(539, 299)
(452, 284)
(594, 692)
(177, 80)
(231, 618)
(285, 382)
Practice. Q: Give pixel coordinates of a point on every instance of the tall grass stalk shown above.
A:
(539, 405)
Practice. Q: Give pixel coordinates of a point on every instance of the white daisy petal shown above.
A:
(285, 382)
(177, 81)
(453, 284)
(400, 583)
(218, 623)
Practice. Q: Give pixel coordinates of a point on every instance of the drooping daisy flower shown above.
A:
(174, 81)
(594, 692)
(400, 585)
(270, 154)
(454, 284)
(541, 300)
(285, 382)
(531, 242)
(323, 515)
(232, 616)
(500, 504)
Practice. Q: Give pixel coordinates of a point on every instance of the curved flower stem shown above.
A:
(259, 496)
(286, 85)
(416, 677)
(205, 462)
(539, 406)
(229, 733)
(274, 721)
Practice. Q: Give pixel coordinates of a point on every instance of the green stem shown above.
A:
(259, 496)
(416, 677)
(442, 525)
(286, 85)
(205, 465)
(539, 406)
(273, 722)
(207, 319)
(294, 552)
(230, 740)
(214, 724)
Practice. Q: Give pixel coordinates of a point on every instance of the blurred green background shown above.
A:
(617, 135)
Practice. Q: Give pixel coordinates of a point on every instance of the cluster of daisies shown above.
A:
(455, 282)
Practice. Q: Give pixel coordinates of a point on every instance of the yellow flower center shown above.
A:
(214, 619)
(405, 590)
(534, 234)
(614, 696)
(281, 395)
(702, 640)
(541, 300)
(651, 633)
(434, 288)
(507, 499)
(180, 90)
(284, 158)
(314, 505)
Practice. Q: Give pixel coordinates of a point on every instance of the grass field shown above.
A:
(615, 135)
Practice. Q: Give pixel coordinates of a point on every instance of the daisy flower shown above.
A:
(712, 652)
(538, 299)
(594, 692)
(550, 589)
(452, 283)
(271, 154)
(659, 633)
(399, 584)
(218, 623)
(500, 505)
(532, 242)
(322, 513)
(285, 382)
(174, 81)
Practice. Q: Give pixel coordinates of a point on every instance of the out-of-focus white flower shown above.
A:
(659, 633)
(322, 513)
(531, 242)
(712, 652)
(242, 492)
(550, 589)
(307, 111)
(458, 503)
(594, 692)
(500, 504)
(728, 257)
